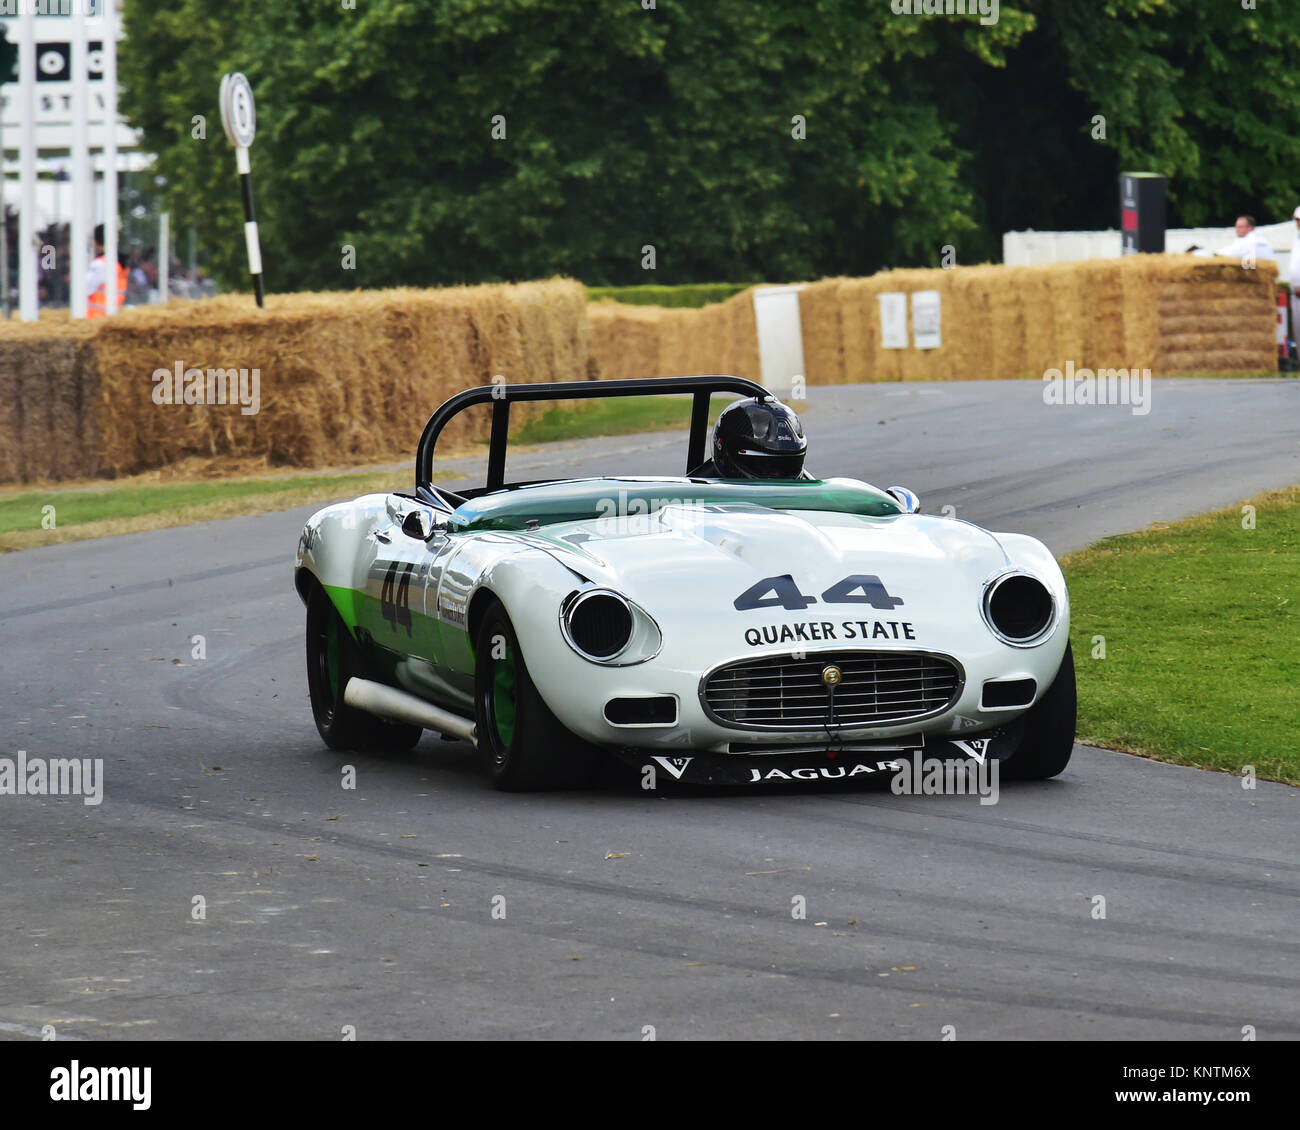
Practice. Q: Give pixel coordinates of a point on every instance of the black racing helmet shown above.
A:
(758, 439)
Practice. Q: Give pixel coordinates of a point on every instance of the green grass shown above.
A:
(616, 416)
(688, 295)
(1201, 622)
(128, 508)
(96, 504)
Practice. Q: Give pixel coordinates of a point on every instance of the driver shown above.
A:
(756, 439)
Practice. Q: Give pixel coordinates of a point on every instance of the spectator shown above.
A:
(137, 289)
(150, 268)
(51, 268)
(1247, 246)
(1295, 276)
(97, 279)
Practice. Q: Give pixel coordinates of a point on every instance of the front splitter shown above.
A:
(857, 762)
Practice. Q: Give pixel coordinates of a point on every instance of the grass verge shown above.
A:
(123, 509)
(614, 417)
(688, 295)
(97, 510)
(1187, 639)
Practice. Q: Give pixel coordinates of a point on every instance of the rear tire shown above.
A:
(332, 659)
(522, 744)
(1048, 740)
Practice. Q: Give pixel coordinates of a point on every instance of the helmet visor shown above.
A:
(769, 465)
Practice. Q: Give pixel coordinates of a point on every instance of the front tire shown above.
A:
(1048, 740)
(332, 659)
(522, 744)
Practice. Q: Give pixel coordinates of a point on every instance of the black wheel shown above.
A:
(1048, 740)
(523, 745)
(332, 659)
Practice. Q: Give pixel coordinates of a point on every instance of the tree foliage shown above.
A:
(469, 140)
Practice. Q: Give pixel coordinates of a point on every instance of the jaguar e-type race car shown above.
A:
(725, 631)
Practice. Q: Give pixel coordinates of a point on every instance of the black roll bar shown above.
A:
(501, 396)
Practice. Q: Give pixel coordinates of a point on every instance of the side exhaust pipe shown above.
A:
(399, 706)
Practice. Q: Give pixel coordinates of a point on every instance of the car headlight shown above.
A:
(604, 627)
(1018, 608)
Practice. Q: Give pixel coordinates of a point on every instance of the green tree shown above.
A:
(1205, 93)
(169, 69)
(471, 140)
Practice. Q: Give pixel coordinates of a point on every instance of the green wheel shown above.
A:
(522, 744)
(332, 659)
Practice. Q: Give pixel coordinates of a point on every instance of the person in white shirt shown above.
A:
(97, 275)
(1248, 246)
(1295, 276)
(97, 281)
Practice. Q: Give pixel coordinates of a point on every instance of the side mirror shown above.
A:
(419, 524)
(905, 498)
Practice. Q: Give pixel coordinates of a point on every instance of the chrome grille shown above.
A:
(785, 693)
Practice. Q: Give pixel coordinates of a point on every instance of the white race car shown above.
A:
(715, 631)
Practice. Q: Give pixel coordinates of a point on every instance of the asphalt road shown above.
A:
(376, 907)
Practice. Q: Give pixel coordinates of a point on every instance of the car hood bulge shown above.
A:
(696, 563)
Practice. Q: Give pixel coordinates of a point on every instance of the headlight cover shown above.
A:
(606, 628)
(1018, 608)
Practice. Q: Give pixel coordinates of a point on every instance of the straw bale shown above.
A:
(352, 377)
(1133, 312)
(1100, 311)
(342, 377)
(1218, 361)
(41, 408)
(968, 323)
(821, 317)
(1008, 317)
(741, 358)
(625, 340)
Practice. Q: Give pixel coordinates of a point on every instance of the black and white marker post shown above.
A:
(239, 119)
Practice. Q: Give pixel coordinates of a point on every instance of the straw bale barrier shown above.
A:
(821, 316)
(628, 333)
(345, 378)
(655, 341)
(1166, 313)
(342, 378)
(44, 422)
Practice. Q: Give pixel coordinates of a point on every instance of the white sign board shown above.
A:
(54, 80)
(926, 319)
(54, 86)
(780, 336)
(893, 321)
(238, 113)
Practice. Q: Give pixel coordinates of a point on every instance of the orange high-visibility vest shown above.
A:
(97, 303)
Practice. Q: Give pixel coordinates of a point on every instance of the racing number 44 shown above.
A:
(395, 597)
(860, 588)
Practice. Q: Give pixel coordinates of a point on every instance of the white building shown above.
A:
(54, 117)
